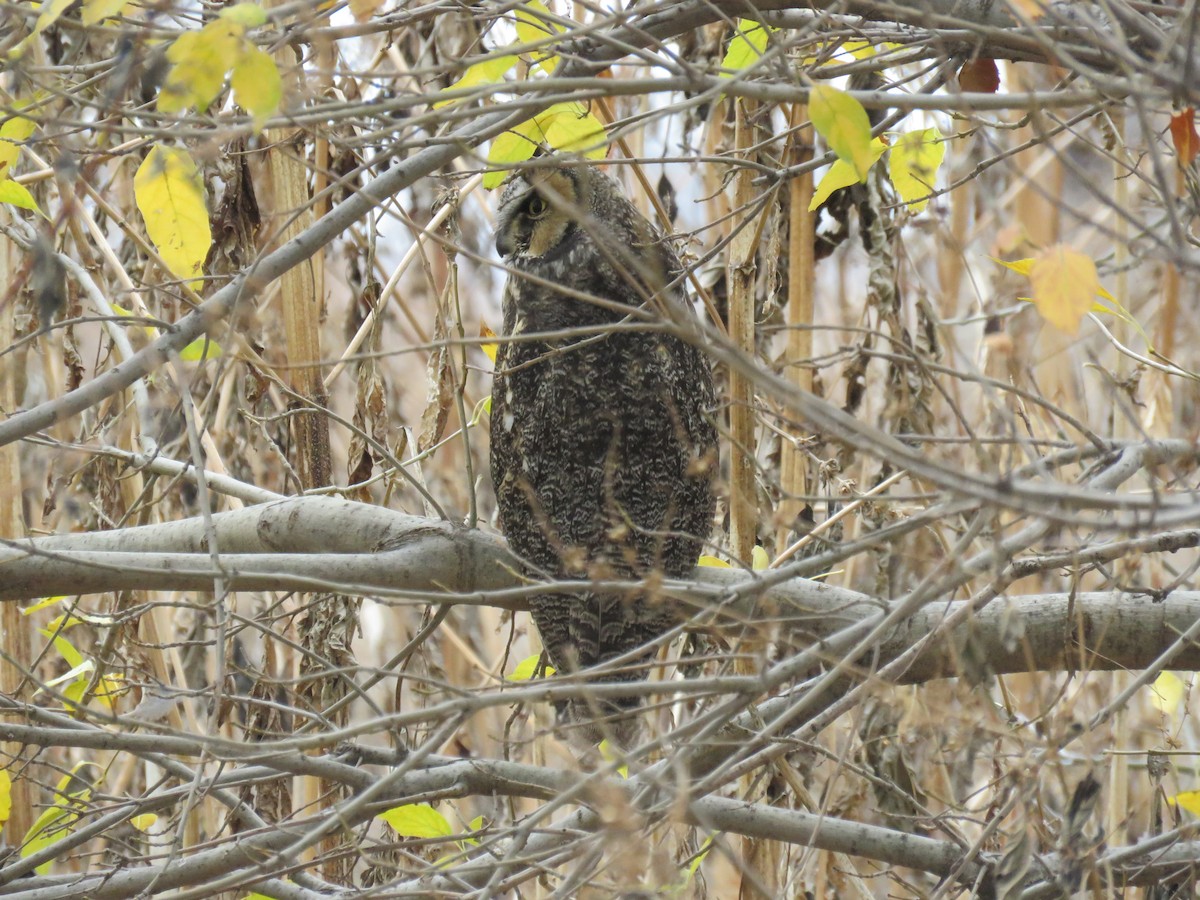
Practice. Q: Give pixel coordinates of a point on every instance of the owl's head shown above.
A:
(573, 225)
(539, 210)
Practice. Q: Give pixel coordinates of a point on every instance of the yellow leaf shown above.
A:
(200, 60)
(570, 128)
(1020, 266)
(1189, 800)
(257, 87)
(417, 820)
(1064, 282)
(695, 864)
(1025, 266)
(66, 650)
(170, 195)
(144, 822)
(713, 563)
(248, 15)
(1034, 9)
(96, 11)
(363, 10)
(514, 146)
(200, 349)
(488, 347)
(1167, 692)
(489, 71)
(70, 799)
(533, 25)
(759, 559)
(42, 604)
(534, 22)
(61, 623)
(13, 131)
(73, 693)
(108, 689)
(606, 751)
(913, 165)
(746, 47)
(527, 667)
(842, 121)
(50, 11)
(5, 796)
(841, 174)
(17, 195)
(859, 49)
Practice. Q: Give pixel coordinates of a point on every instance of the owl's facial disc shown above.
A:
(537, 211)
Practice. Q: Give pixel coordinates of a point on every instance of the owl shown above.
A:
(603, 443)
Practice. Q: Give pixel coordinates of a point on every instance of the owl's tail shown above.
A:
(588, 630)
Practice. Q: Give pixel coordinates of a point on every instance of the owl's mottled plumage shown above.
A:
(603, 444)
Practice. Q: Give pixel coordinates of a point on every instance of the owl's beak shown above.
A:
(505, 245)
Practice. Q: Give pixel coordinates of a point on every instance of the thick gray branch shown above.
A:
(300, 543)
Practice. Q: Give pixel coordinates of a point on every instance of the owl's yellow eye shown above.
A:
(537, 206)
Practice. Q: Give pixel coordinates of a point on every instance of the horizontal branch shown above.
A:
(317, 542)
(444, 778)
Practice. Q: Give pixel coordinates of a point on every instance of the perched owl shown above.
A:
(603, 447)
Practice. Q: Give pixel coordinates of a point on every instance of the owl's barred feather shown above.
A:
(603, 447)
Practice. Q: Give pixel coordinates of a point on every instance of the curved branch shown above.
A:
(436, 562)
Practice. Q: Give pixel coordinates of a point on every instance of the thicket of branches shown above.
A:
(960, 540)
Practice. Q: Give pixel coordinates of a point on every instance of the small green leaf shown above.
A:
(843, 122)
(248, 15)
(606, 751)
(746, 47)
(509, 148)
(483, 406)
(527, 667)
(71, 797)
(489, 71)
(96, 11)
(257, 86)
(17, 195)
(417, 820)
(13, 131)
(67, 651)
(474, 826)
(200, 349)
(534, 22)
(570, 128)
(5, 796)
(533, 25)
(49, 12)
